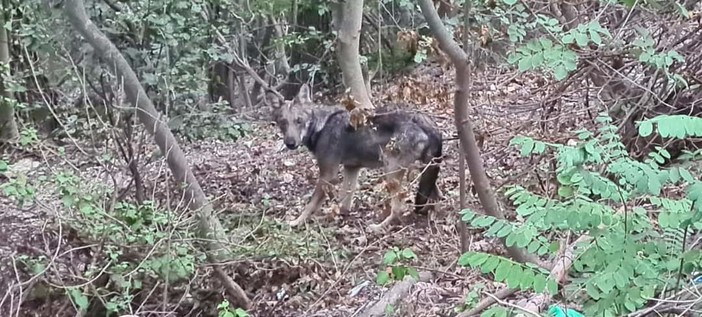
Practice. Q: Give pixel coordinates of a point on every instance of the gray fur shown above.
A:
(396, 139)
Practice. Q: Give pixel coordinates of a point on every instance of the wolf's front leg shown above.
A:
(324, 184)
(349, 187)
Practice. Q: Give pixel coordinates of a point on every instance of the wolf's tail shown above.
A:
(427, 182)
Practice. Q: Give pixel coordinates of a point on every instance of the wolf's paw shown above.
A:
(377, 228)
(297, 222)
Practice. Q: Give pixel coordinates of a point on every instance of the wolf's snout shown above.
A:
(290, 143)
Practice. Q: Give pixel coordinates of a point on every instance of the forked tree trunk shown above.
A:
(210, 229)
(8, 125)
(348, 16)
(464, 126)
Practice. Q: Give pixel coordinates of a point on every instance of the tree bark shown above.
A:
(462, 226)
(464, 126)
(210, 228)
(8, 125)
(347, 20)
(282, 67)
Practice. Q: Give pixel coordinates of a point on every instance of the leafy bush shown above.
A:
(637, 246)
(124, 231)
(397, 266)
(213, 124)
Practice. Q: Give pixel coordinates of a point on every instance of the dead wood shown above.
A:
(561, 266)
(395, 294)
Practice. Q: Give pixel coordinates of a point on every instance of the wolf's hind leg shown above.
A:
(394, 173)
(327, 172)
(349, 187)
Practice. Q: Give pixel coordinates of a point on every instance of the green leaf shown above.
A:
(390, 257)
(533, 246)
(399, 272)
(645, 57)
(595, 37)
(645, 128)
(539, 283)
(79, 299)
(511, 239)
(489, 265)
(407, 253)
(537, 60)
(413, 273)
(241, 312)
(473, 259)
(621, 281)
(560, 72)
(526, 280)
(581, 39)
(592, 291)
(506, 230)
(524, 63)
(468, 215)
(552, 287)
(510, 2)
(483, 221)
(685, 174)
(568, 38)
(565, 191)
(383, 278)
(527, 147)
(606, 284)
(534, 46)
(514, 277)
(492, 231)
(464, 259)
(502, 270)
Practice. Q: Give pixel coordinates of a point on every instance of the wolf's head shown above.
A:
(292, 116)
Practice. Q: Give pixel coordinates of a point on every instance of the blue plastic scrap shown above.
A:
(556, 311)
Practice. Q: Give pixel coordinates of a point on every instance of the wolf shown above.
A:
(394, 139)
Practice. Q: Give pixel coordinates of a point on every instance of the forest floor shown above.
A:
(329, 266)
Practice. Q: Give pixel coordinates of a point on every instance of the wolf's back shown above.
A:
(391, 119)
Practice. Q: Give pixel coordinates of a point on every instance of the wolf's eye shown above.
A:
(298, 120)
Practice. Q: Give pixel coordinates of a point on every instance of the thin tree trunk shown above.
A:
(462, 226)
(8, 125)
(348, 18)
(464, 125)
(210, 228)
(282, 67)
(231, 81)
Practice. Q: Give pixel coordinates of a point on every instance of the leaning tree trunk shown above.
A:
(464, 125)
(210, 229)
(348, 17)
(8, 125)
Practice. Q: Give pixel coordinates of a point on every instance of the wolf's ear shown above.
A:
(304, 96)
(272, 100)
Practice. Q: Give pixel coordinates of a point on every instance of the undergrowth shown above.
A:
(637, 244)
(137, 248)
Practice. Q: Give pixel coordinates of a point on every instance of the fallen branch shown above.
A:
(395, 294)
(485, 303)
(560, 267)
